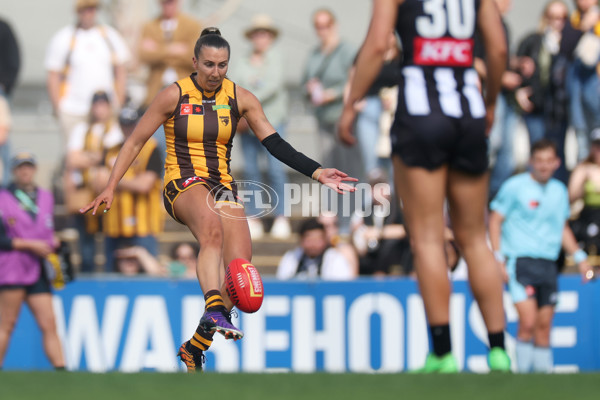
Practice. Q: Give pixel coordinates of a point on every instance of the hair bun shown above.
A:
(210, 31)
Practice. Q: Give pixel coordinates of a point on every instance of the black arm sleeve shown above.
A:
(284, 152)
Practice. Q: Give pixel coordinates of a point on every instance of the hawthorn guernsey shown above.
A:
(244, 285)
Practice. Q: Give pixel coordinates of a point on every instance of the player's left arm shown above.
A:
(251, 109)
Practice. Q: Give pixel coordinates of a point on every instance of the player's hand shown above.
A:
(503, 272)
(105, 197)
(335, 179)
(586, 271)
(345, 126)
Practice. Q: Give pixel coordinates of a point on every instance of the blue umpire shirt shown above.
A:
(534, 216)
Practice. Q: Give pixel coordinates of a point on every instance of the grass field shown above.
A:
(149, 386)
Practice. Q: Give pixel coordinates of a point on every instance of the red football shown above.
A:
(244, 285)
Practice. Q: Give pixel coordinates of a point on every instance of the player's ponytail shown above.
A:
(211, 37)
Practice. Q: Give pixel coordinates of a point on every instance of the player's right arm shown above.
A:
(492, 33)
(159, 111)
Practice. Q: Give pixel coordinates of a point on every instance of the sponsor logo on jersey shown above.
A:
(443, 52)
(533, 204)
(191, 180)
(221, 107)
(191, 109)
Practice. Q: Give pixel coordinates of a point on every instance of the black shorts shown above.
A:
(220, 192)
(539, 278)
(42, 285)
(434, 140)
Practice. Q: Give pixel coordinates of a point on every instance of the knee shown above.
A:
(526, 329)
(7, 324)
(211, 236)
(47, 324)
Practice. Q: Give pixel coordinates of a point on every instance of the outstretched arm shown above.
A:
(368, 62)
(251, 109)
(159, 111)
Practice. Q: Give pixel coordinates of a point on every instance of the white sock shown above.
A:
(524, 353)
(542, 359)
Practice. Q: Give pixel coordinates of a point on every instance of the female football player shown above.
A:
(200, 114)
(440, 149)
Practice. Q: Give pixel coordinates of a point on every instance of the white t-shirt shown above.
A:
(90, 64)
(335, 267)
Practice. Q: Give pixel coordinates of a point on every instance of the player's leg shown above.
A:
(423, 193)
(40, 305)
(10, 306)
(542, 351)
(195, 208)
(236, 238)
(527, 310)
(467, 199)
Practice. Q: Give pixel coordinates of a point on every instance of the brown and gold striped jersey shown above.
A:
(199, 133)
(136, 214)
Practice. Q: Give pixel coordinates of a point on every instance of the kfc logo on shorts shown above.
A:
(191, 180)
(445, 52)
(191, 109)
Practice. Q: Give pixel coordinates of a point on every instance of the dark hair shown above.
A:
(310, 225)
(211, 37)
(543, 144)
(195, 247)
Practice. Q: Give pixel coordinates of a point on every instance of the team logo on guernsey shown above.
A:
(224, 120)
(443, 52)
(191, 180)
(191, 109)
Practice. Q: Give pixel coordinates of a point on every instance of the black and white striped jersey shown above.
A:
(437, 69)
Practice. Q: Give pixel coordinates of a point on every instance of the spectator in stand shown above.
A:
(528, 226)
(378, 234)
(85, 150)
(325, 75)
(10, 63)
(183, 260)
(165, 46)
(26, 240)
(135, 260)
(314, 258)
(82, 59)
(506, 115)
(261, 71)
(329, 220)
(371, 108)
(584, 186)
(542, 97)
(579, 44)
(136, 217)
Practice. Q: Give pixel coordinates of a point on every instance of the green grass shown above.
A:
(209, 386)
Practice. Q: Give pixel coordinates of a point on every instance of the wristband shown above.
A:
(499, 256)
(579, 256)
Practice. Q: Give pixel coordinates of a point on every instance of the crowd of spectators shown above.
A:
(551, 83)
